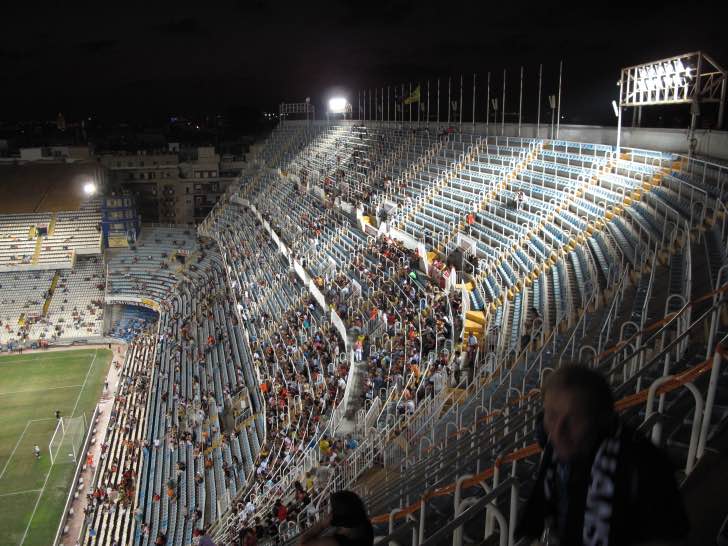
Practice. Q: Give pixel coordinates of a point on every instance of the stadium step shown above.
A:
(374, 477)
(455, 395)
(51, 291)
(474, 327)
(475, 316)
(36, 252)
(52, 225)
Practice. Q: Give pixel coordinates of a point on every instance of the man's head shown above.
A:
(347, 510)
(578, 410)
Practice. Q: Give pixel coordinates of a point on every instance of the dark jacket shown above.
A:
(647, 504)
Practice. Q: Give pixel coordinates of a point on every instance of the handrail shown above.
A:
(666, 320)
(621, 405)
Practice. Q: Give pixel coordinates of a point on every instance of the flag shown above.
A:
(414, 97)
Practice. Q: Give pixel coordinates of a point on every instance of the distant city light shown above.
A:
(89, 188)
(337, 105)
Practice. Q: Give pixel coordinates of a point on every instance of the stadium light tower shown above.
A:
(89, 188)
(339, 105)
(691, 78)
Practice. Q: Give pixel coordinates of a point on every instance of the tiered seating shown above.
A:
(76, 309)
(18, 241)
(22, 296)
(585, 219)
(296, 351)
(132, 321)
(67, 232)
(149, 269)
(205, 412)
(550, 231)
(112, 497)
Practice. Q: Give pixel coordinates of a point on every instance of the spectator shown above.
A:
(347, 525)
(598, 483)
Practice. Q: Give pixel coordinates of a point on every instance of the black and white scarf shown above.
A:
(600, 496)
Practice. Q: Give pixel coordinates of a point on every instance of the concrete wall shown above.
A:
(709, 143)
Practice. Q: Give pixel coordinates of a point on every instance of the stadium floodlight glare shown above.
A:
(89, 188)
(616, 109)
(337, 105)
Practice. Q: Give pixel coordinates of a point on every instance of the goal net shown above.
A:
(67, 440)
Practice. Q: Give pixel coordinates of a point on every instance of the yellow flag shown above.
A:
(414, 97)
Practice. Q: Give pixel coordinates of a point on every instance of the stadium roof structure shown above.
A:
(50, 187)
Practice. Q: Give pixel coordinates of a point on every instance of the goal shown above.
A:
(67, 440)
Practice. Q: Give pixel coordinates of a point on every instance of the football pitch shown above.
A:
(32, 387)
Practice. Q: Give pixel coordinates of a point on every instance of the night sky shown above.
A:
(146, 59)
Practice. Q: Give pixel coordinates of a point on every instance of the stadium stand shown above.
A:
(375, 307)
(22, 296)
(112, 495)
(66, 234)
(150, 269)
(75, 309)
(132, 321)
(585, 226)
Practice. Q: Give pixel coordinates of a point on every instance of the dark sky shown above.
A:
(155, 58)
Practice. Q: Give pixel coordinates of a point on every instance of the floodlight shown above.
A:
(337, 105)
(89, 188)
(616, 109)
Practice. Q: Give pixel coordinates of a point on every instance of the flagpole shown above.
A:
(370, 105)
(460, 120)
(428, 102)
(419, 102)
(538, 113)
(358, 107)
(449, 98)
(503, 106)
(376, 105)
(474, 76)
(520, 103)
(487, 107)
(365, 105)
(401, 100)
(438, 102)
(558, 104)
(410, 102)
(382, 95)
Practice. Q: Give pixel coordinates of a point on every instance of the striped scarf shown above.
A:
(600, 495)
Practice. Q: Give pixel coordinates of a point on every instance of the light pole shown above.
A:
(619, 117)
(552, 105)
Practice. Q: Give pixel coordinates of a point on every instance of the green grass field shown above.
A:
(32, 387)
